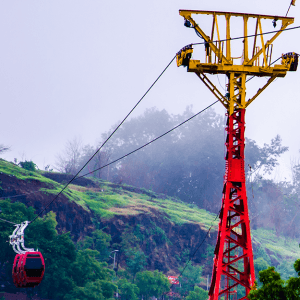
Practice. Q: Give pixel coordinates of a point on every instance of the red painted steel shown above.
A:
(233, 262)
(28, 269)
(15, 270)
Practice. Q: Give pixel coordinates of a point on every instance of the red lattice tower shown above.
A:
(233, 246)
(233, 268)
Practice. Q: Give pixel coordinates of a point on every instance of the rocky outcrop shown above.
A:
(166, 245)
(69, 215)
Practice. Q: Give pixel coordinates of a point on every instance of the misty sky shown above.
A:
(74, 68)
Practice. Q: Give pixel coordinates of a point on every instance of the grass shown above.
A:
(279, 245)
(52, 187)
(109, 200)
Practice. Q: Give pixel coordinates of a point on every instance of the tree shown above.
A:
(128, 291)
(136, 260)
(91, 291)
(99, 241)
(76, 275)
(100, 159)
(86, 268)
(14, 212)
(260, 264)
(4, 148)
(187, 163)
(197, 294)
(152, 284)
(273, 287)
(68, 161)
(28, 165)
(264, 159)
(59, 254)
(190, 277)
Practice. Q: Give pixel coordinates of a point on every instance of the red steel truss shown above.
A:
(233, 263)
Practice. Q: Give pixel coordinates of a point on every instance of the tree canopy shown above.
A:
(273, 287)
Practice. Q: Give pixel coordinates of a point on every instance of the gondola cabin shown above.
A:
(29, 265)
(30, 269)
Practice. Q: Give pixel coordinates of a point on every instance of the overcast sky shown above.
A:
(74, 68)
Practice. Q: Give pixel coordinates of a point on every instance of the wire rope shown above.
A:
(107, 139)
(246, 36)
(137, 149)
(8, 221)
(289, 8)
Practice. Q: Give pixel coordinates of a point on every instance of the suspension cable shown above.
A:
(247, 36)
(107, 138)
(150, 141)
(8, 221)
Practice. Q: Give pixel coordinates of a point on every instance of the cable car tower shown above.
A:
(233, 261)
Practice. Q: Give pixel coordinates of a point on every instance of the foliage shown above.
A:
(275, 288)
(136, 260)
(259, 265)
(152, 284)
(277, 245)
(128, 291)
(191, 277)
(28, 165)
(197, 294)
(99, 241)
(68, 273)
(263, 160)
(87, 268)
(16, 213)
(58, 250)
(91, 291)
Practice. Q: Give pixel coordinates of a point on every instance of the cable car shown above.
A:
(29, 265)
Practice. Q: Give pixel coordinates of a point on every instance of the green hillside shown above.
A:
(107, 200)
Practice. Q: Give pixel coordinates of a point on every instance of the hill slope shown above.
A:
(167, 230)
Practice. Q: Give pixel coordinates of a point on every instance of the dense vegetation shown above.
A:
(77, 271)
(181, 175)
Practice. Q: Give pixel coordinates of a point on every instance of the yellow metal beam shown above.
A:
(228, 49)
(184, 13)
(208, 40)
(198, 67)
(246, 58)
(260, 90)
(262, 43)
(213, 89)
